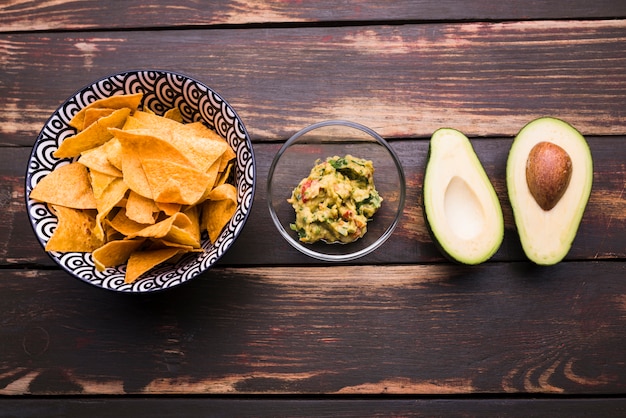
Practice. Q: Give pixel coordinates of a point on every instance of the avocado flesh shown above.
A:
(461, 207)
(547, 235)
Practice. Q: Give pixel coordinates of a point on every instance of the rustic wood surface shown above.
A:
(403, 81)
(400, 329)
(269, 331)
(244, 406)
(30, 15)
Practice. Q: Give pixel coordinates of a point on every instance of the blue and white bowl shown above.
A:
(162, 90)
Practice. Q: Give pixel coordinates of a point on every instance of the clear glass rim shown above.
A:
(356, 254)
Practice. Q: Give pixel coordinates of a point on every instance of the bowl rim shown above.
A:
(245, 205)
(380, 240)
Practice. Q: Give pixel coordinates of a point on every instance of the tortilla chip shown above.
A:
(172, 229)
(215, 216)
(174, 114)
(175, 183)
(213, 175)
(133, 123)
(130, 101)
(110, 197)
(207, 134)
(97, 159)
(68, 185)
(73, 231)
(113, 150)
(149, 120)
(223, 176)
(183, 236)
(219, 209)
(100, 182)
(122, 203)
(111, 234)
(93, 136)
(114, 253)
(149, 144)
(200, 130)
(133, 174)
(138, 145)
(224, 192)
(227, 158)
(140, 262)
(147, 177)
(169, 208)
(124, 225)
(162, 228)
(140, 209)
(193, 213)
(202, 152)
(160, 244)
(93, 114)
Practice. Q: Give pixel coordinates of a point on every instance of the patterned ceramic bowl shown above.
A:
(299, 154)
(162, 90)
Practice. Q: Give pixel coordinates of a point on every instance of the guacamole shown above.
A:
(336, 200)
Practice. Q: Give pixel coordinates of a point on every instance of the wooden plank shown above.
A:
(602, 233)
(425, 329)
(486, 79)
(319, 407)
(20, 15)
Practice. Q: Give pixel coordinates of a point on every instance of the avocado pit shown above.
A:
(548, 173)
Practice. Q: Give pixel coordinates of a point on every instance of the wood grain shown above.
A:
(400, 332)
(316, 407)
(404, 329)
(25, 15)
(486, 79)
(602, 234)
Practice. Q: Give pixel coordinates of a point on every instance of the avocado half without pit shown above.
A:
(549, 173)
(461, 207)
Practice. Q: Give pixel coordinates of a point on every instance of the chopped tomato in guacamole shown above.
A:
(335, 202)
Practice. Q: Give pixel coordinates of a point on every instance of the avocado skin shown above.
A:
(435, 241)
(579, 151)
(431, 233)
(440, 247)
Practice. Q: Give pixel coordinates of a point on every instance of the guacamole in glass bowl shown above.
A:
(320, 190)
(335, 202)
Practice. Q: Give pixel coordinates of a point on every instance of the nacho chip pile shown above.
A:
(141, 189)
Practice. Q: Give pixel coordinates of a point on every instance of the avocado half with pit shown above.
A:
(461, 207)
(549, 173)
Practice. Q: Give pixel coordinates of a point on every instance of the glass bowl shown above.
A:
(299, 154)
(162, 90)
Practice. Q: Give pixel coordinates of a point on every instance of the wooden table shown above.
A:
(271, 332)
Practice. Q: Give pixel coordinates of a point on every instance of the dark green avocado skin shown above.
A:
(425, 187)
(439, 247)
(582, 158)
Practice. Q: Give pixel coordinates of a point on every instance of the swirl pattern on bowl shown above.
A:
(162, 91)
